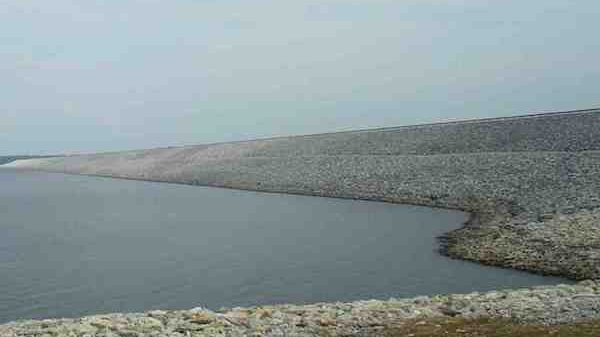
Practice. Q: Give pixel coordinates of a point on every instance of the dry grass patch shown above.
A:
(458, 327)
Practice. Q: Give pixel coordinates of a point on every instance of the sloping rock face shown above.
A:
(517, 175)
(563, 244)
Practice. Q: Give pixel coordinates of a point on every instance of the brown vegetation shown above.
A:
(459, 327)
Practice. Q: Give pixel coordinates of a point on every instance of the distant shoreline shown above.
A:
(9, 159)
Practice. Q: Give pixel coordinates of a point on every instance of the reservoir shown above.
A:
(75, 245)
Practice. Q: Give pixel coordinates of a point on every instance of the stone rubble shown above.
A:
(544, 304)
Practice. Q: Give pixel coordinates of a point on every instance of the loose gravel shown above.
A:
(547, 305)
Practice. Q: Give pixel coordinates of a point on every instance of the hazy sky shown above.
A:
(85, 76)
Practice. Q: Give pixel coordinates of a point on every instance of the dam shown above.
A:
(530, 184)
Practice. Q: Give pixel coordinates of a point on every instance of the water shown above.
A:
(75, 245)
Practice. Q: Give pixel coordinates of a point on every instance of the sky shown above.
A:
(89, 76)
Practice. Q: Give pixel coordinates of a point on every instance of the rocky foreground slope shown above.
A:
(532, 184)
(549, 305)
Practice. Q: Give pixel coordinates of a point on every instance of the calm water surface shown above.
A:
(75, 245)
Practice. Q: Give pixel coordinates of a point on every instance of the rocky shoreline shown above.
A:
(561, 244)
(548, 305)
(531, 183)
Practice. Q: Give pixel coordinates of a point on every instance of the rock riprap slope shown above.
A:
(548, 305)
(532, 183)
